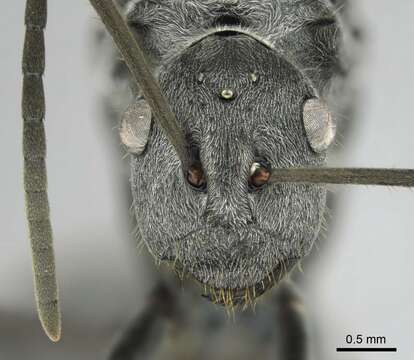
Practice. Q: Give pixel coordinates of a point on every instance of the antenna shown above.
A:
(351, 176)
(35, 180)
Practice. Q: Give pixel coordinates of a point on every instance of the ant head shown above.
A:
(244, 110)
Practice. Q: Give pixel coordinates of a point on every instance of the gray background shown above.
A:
(359, 281)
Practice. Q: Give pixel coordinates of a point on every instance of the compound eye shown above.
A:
(135, 126)
(196, 177)
(259, 175)
(319, 125)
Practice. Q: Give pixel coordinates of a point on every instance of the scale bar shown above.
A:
(350, 349)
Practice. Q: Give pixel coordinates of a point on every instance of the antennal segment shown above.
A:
(35, 182)
(351, 176)
(135, 59)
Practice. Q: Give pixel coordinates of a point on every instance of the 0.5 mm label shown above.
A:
(364, 343)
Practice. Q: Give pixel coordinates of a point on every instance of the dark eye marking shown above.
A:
(195, 173)
(260, 173)
(196, 177)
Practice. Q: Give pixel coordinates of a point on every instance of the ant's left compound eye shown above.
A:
(259, 175)
(196, 177)
(319, 125)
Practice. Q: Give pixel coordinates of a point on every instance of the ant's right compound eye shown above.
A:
(196, 177)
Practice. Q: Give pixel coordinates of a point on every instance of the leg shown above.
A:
(146, 330)
(293, 342)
